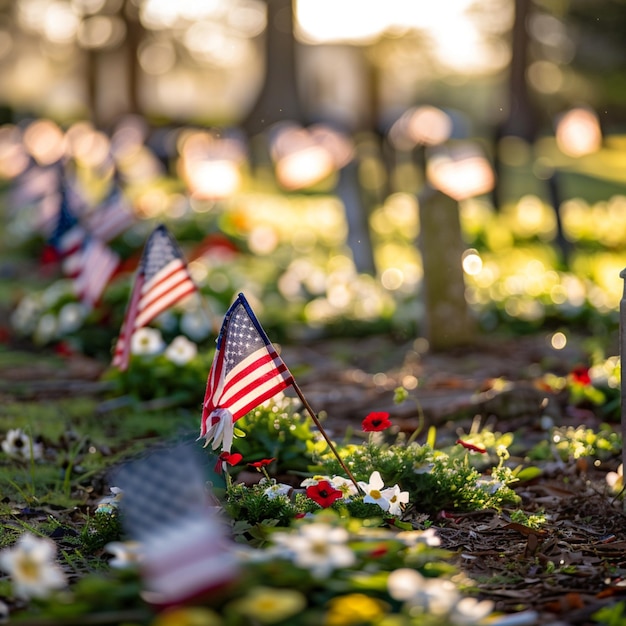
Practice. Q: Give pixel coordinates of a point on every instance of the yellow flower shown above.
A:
(189, 616)
(355, 608)
(269, 605)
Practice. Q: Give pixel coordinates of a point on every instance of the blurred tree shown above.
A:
(278, 99)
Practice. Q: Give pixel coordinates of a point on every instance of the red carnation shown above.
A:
(323, 493)
(471, 446)
(376, 421)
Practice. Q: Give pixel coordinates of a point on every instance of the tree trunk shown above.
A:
(278, 99)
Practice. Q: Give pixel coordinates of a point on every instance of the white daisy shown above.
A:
(374, 491)
(30, 563)
(320, 548)
(344, 485)
(396, 499)
(19, 445)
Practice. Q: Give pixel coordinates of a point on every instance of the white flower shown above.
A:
(320, 548)
(311, 482)
(374, 491)
(276, 490)
(433, 595)
(46, 328)
(195, 324)
(425, 468)
(490, 485)
(147, 341)
(19, 445)
(615, 480)
(24, 316)
(125, 553)
(413, 537)
(470, 611)
(181, 350)
(30, 563)
(344, 485)
(71, 317)
(396, 499)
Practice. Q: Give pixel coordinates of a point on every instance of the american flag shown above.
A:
(167, 508)
(84, 258)
(162, 280)
(246, 370)
(98, 264)
(68, 236)
(112, 217)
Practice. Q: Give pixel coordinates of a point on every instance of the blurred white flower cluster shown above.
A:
(148, 341)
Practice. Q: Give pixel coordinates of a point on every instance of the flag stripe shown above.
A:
(99, 263)
(257, 393)
(259, 370)
(166, 300)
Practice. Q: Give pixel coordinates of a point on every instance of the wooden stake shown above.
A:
(314, 417)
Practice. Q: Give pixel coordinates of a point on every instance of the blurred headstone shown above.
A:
(448, 323)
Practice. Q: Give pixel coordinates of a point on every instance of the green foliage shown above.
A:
(614, 615)
(277, 431)
(152, 377)
(435, 479)
(569, 442)
(251, 505)
(100, 529)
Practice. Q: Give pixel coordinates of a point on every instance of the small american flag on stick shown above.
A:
(98, 265)
(162, 280)
(246, 371)
(167, 508)
(112, 217)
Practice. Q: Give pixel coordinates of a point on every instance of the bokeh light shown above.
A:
(578, 132)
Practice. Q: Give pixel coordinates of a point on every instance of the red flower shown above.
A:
(471, 446)
(379, 551)
(261, 463)
(581, 375)
(63, 349)
(376, 422)
(323, 493)
(227, 457)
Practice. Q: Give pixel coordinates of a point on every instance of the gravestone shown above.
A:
(447, 318)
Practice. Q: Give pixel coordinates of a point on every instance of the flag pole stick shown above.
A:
(314, 417)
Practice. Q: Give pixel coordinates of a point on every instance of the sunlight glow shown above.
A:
(457, 36)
